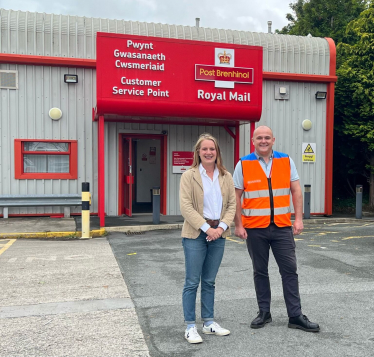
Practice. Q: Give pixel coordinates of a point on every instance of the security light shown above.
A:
(70, 78)
(321, 95)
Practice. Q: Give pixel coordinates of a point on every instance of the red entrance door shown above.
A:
(128, 175)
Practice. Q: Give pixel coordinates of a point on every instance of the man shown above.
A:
(265, 179)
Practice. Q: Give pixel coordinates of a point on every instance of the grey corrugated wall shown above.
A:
(24, 112)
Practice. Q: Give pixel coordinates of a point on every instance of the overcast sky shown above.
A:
(249, 15)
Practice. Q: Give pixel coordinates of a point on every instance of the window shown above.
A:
(45, 159)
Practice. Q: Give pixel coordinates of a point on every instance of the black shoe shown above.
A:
(302, 322)
(261, 320)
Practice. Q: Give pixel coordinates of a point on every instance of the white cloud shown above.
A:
(249, 22)
(220, 13)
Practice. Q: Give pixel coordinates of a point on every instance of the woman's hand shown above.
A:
(214, 233)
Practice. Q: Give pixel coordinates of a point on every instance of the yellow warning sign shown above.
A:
(309, 152)
(309, 158)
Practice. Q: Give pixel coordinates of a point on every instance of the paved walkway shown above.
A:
(65, 298)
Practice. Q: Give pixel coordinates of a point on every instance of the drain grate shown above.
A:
(133, 233)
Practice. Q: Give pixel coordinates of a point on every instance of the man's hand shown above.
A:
(241, 232)
(297, 199)
(239, 229)
(298, 227)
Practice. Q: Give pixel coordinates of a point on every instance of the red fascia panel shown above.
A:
(48, 61)
(19, 174)
(297, 77)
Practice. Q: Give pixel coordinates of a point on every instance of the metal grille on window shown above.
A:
(9, 79)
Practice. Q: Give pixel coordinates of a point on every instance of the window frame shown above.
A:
(19, 152)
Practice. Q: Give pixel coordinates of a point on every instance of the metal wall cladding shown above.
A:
(24, 115)
(72, 36)
(285, 118)
(24, 112)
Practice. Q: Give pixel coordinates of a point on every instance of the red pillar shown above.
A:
(101, 171)
(253, 127)
(237, 144)
(330, 130)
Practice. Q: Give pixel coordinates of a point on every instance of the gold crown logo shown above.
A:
(224, 58)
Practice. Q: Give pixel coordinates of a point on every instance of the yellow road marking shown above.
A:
(335, 224)
(356, 226)
(357, 237)
(93, 233)
(7, 245)
(319, 233)
(235, 240)
(297, 239)
(314, 246)
(132, 254)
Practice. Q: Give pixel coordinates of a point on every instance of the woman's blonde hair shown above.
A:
(196, 148)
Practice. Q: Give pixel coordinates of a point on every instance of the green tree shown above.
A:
(354, 98)
(322, 18)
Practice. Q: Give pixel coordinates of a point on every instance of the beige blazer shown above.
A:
(191, 199)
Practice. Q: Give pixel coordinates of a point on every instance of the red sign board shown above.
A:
(159, 77)
(182, 160)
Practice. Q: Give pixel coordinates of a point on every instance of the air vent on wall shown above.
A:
(9, 79)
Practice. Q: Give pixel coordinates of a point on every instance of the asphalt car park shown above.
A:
(336, 276)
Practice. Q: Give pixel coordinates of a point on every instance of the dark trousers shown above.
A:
(282, 244)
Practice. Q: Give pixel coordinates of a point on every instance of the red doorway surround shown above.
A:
(163, 169)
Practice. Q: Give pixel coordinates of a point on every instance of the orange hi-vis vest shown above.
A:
(266, 200)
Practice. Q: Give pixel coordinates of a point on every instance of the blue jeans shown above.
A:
(202, 261)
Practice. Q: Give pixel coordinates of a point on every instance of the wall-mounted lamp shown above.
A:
(70, 78)
(321, 95)
(306, 124)
(55, 113)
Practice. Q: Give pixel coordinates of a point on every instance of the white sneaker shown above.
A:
(215, 329)
(192, 336)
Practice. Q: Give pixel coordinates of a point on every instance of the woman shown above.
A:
(207, 203)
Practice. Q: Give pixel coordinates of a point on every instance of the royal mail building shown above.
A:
(120, 104)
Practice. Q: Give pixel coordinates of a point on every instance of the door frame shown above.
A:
(127, 148)
(163, 168)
